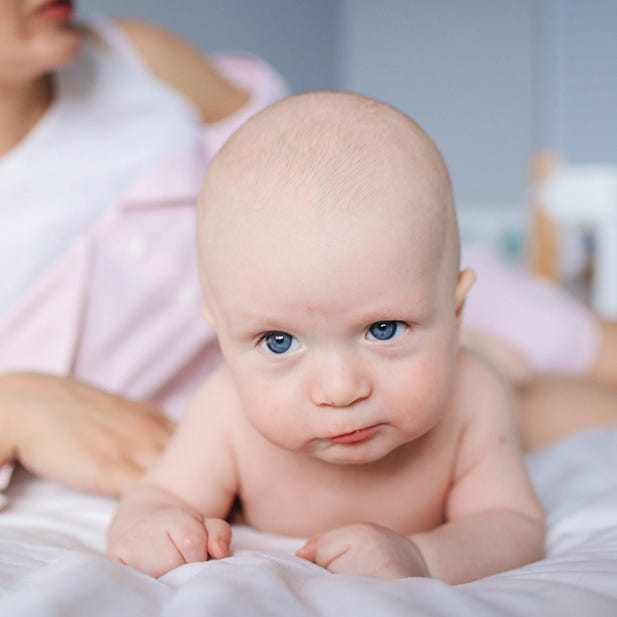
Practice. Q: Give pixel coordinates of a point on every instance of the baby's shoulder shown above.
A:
(480, 391)
(473, 369)
(486, 407)
(216, 402)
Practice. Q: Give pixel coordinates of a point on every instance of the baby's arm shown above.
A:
(174, 514)
(495, 522)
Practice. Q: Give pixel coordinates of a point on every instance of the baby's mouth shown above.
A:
(357, 436)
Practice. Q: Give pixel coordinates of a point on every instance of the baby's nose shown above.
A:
(339, 382)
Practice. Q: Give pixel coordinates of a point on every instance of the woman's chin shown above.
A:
(65, 50)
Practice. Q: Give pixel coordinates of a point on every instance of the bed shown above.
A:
(52, 563)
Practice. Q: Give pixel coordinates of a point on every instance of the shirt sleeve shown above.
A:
(264, 84)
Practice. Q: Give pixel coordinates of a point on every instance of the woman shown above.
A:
(99, 317)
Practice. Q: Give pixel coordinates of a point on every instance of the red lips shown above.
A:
(56, 10)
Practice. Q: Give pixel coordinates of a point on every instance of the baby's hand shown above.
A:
(365, 549)
(170, 538)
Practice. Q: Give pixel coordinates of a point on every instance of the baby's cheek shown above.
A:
(272, 415)
(424, 397)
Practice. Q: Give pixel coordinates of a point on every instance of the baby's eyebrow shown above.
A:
(250, 322)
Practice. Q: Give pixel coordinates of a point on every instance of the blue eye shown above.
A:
(278, 342)
(385, 330)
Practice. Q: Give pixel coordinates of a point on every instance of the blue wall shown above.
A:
(299, 37)
(463, 68)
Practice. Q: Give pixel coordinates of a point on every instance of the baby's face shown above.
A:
(339, 327)
(329, 261)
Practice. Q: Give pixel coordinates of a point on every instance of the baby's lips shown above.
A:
(356, 436)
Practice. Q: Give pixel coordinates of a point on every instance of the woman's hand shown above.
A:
(76, 434)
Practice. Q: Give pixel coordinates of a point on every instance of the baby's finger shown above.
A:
(308, 550)
(326, 548)
(191, 541)
(219, 537)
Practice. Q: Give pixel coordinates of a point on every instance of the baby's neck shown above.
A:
(21, 107)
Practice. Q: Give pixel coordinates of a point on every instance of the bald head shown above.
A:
(325, 154)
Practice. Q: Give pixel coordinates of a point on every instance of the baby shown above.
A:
(345, 412)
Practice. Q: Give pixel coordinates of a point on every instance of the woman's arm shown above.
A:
(186, 69)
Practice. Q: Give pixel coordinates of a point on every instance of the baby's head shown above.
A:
(329, 258)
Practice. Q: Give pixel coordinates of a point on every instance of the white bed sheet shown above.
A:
(51, 562)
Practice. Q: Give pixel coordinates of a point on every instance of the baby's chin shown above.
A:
(362, 453)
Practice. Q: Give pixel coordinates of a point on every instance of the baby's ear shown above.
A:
(466, 279)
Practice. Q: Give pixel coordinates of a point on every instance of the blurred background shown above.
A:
(493, 81)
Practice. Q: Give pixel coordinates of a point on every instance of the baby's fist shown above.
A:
(365, 549)
(170, 538)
